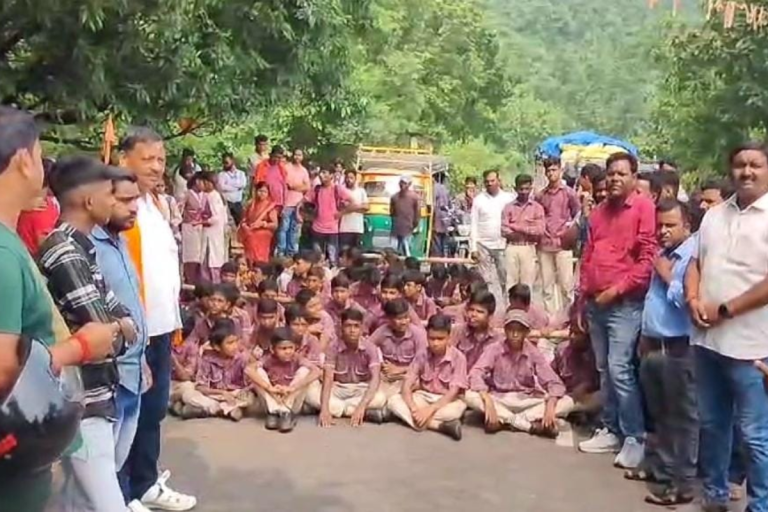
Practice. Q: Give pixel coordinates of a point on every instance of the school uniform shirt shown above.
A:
(312, 350)
(327, 323)
(282, 373)
(471, 342)
(402, 350)
(560, 207)
(424, 307)
(365, 295)
(524, 371)
(439, 374)
(576, 368)
(187, 355)
(221, 373)
(352, 365)
(203, 326)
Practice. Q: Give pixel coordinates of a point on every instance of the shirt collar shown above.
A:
(102, 234)
(760, 204)
(77, 236)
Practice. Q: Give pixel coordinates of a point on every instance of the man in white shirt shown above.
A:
(232, 182)
(157, 262)
(486, 243)
(727, 293)
(352, 223)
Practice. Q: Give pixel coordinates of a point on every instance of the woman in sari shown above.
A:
(259, 225)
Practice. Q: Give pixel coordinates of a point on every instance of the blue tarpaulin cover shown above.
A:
(553, 145)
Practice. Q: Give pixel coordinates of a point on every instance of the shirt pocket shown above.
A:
(445, 374)
(342, 366)
(216, 379)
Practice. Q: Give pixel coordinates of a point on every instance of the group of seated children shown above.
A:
(302, 342)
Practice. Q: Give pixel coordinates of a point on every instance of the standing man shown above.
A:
(486, 243)
(667, 369)
(272, 172)
(405, 211)
(714, 192)
(232, 183)
(727, 294)
(352, 224)
(615, 274)
(67, 259)
(463, 201)
(120, 275)
(441, 208)
(561, 205)
(27, 309)
(330, 201)
(260, 153)
(522, 224)
(155, 255)
(297, 184)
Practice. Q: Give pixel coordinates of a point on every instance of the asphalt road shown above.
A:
(242, 467)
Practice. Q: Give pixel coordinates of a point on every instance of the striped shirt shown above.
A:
(68, 261)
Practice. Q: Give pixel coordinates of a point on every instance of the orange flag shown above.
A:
(110, 139)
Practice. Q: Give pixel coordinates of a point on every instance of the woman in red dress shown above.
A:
(259, 224)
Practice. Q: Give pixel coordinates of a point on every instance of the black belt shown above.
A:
(676, 346)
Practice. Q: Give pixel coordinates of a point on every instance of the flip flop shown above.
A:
(669, 498)
(641, 475)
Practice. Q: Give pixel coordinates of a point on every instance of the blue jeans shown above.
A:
(288, 232)
(732, 391)
(614, 330)
(402, 244)
(128, 408)
(140, 470)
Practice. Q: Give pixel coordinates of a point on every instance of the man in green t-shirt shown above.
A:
(26, 309)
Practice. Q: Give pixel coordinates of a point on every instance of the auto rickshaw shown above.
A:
(381, 169)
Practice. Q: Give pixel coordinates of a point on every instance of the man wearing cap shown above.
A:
(513, 385)
(404, 210)
(67, 259)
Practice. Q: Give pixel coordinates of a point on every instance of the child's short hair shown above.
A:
(229, 291)
(304, 296)
(294, 311)
(371, 275)
(268, 285)
(222, 329)
(340, 281)
(414, 276)
(439, 322)
(457, 270)
(203, 289)
(520, 293)
(316, 271)
(396, 307)
(352, 314)
(266, 307)
(230, 267)
(354, 255)
(188, 321)
(484, 299)
(412, 263)
(392, 281)
(439, 272)
(308, 255)
(283, 334)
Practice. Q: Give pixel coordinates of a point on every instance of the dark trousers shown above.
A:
(350, 240)
(28, 493)
(439, 246)
(140, 470)
(668, 381)
(236, 210)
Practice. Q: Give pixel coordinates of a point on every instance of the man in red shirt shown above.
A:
(615, 274)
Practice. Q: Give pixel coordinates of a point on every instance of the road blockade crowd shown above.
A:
(650, 326)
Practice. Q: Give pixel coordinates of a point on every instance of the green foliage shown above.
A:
(713, 96)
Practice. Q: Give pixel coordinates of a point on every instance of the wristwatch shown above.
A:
(723, 311)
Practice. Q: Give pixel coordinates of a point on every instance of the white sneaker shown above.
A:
(162, 497)
(631, 455)
(602, 442)
(136, 506)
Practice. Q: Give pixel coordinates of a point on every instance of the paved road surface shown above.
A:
(242, 467)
